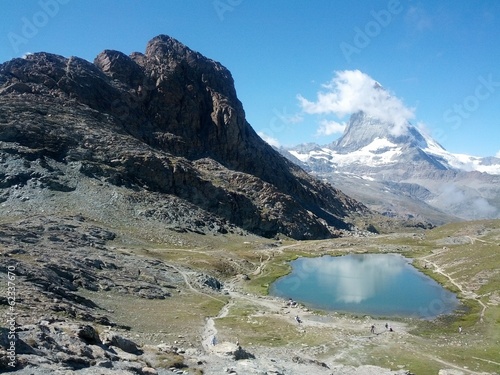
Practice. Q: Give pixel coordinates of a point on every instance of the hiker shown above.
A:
(372, 330)
(390, 329)
(297, 318)
(386, 326)
(214, 341)
(459, 329)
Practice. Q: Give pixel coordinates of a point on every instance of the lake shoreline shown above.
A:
(365, 284)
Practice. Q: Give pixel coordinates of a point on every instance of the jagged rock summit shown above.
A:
(159, 136)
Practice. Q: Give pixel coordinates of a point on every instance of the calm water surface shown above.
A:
(374, 284)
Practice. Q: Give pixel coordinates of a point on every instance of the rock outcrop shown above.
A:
(166, 123)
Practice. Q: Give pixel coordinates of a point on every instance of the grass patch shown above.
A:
(397, 359)
(467, 317)
(269, 330)
(156, 320)
(251, 326)
(259, 284)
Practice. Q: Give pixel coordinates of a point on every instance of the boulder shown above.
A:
(89, 335)
(114, 339)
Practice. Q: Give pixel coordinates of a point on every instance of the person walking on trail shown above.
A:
(459, 329)
(297, 318)
(372, 329)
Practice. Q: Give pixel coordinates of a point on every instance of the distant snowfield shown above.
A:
(370, 155)
(382, 152)
(462, 161)
(467, 162)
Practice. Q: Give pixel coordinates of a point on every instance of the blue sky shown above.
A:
(439, 60)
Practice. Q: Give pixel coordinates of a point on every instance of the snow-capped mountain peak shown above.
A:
(399, 170)
(370, 143)
(363, 129)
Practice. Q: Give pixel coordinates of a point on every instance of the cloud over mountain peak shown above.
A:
(352, 91)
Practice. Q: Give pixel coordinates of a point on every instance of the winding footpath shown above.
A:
(466, 293)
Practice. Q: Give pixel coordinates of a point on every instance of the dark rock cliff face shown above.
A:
(167, 122)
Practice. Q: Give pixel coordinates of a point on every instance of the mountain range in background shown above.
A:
(403, 172)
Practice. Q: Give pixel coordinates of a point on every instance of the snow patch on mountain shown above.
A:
(379, 152)
(466, 163)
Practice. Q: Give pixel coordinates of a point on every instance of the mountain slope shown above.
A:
(163, 126)
(406, 172)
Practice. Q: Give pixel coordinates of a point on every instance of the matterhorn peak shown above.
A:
(364, 129)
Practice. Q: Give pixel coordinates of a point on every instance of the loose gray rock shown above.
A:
(89, 335)
(114, 339)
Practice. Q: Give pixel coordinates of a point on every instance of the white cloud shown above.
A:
(351, 91)
(497, 155)
(478, 207)
(270, 140)
(330, 127)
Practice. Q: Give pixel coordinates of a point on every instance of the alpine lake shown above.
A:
(385, 285)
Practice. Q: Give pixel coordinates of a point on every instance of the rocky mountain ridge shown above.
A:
(166, 122)
(404, 172)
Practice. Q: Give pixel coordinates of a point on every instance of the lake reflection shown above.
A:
(377, 284)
